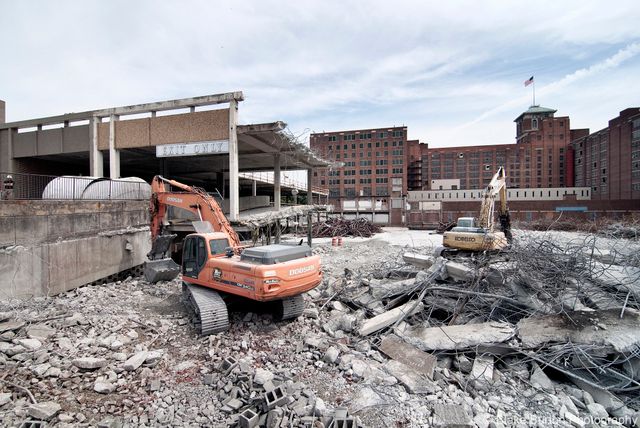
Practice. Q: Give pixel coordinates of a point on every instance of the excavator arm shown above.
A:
(495, 187)
(191, 199)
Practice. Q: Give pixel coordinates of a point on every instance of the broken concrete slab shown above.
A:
(401, 351)
(604, 327)
(448, 338)
(390, 317)
(459, 271)
(44, 411)
(451, 415)
(413, 381)
(10, 326)
(419, 260)
(40, 331)
(381, 289)
(135, 361)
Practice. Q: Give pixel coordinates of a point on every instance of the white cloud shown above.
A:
(323, 65)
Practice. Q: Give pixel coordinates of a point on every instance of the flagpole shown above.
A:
(534, 91)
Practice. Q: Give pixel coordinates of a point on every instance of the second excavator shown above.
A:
(216, 268)
(470, 236)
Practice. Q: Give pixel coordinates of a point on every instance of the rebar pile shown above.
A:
(342, 227)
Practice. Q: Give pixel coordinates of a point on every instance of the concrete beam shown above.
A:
(173, 104)
(96, 161)
(388, 318)
(132, 109)
(276, 182)
(234, 177)
(254, 188)
(114, 155)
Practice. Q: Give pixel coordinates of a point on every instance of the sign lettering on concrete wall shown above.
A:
(193, 149)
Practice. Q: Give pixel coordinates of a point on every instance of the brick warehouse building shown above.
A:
(541, 157)
(608, 160)
(373, 179)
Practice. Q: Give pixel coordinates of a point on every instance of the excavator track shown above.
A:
(291, 307)
(208, 309)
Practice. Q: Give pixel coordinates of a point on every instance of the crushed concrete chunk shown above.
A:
(401, 351)
(104, 387)
(451, 415)
(29, 344)
(40, 332)
(89, 363)
(540, 380)
(262, 376)
(44, 411)
(366, 398)
(482, 368)
(414, 382)
(5, 397)
(135, 361)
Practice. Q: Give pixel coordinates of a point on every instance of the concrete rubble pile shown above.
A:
(393, 337)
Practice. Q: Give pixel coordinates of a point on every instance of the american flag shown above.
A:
(528, 81)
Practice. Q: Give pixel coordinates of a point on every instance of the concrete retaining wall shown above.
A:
(51, 268)
(48, 247)
(33, 222)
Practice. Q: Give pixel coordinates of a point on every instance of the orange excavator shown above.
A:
(216, 267)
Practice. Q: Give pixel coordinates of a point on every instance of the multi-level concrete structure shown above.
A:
(608, 161)
(196, 140)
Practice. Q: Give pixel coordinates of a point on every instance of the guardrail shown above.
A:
(19, 186)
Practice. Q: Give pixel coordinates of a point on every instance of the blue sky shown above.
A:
(452, 72)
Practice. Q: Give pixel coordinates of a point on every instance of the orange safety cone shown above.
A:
(339, 241)
(334, 241)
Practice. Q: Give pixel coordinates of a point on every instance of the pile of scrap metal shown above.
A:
(339, 226)
(550, 312)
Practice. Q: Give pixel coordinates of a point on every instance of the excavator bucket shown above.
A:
(160, 266)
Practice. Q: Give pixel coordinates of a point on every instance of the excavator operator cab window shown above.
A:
(218, 246)
(194, 256)
(465, 222)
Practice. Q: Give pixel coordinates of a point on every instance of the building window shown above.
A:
(534, 124)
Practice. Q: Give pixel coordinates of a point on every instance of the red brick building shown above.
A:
(374, 162)
(608, 160)
(541, 157)
(373, 179)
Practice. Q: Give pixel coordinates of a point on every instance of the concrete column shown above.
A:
(276, 181)
(192, 109)
(10, 162)
(96, 161)
(114, 155)
(153, 114)
(234, 178)
(309, 186)
(254, 188)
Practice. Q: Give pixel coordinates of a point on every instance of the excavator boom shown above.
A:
(192, 199)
